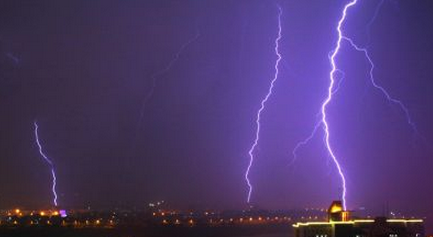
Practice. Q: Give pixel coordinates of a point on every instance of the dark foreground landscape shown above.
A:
(229, 231)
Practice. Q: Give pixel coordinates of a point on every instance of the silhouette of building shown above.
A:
(340, 224)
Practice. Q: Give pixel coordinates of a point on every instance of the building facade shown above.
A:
(340, 224)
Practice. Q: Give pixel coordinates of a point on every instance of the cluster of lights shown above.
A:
(169, 217)
(20, 213)
(157, 204)
(219, 221)
(18, 217)
(76, 223)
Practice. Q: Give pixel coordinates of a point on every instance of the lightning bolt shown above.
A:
(304, 142)
(386, 94)
(158, 74)
(332, 90)
(50, 163)
(262, 106)
(380, 88)
(328, 99)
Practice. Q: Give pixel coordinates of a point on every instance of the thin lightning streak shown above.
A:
(13, 58)
(262, 106)
(380, 88)
(304, 142)
(364, 50)
(370, 23)
(53, 172)
(156, 75)
(376, 13)
(340, 81)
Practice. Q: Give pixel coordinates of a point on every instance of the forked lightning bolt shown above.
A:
(328, 99)
(262, 107)
(332, 90)
(304, 142)
(49, 162)
(333, 87)
(380, 88)
(387, 95)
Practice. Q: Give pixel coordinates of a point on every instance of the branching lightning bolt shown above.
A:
(372, 67)
(325, 104)
(262, 106)
(332, 90)
(304, 142)
(157, 74)
(372, 80)
(48, 160)
(380, 88)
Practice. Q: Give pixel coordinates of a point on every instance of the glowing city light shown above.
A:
(63, 213)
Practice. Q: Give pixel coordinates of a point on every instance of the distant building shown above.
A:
(340, 224)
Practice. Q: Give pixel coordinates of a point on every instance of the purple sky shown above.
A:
(83, 68)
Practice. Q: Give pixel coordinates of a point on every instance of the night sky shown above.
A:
(83, 68)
